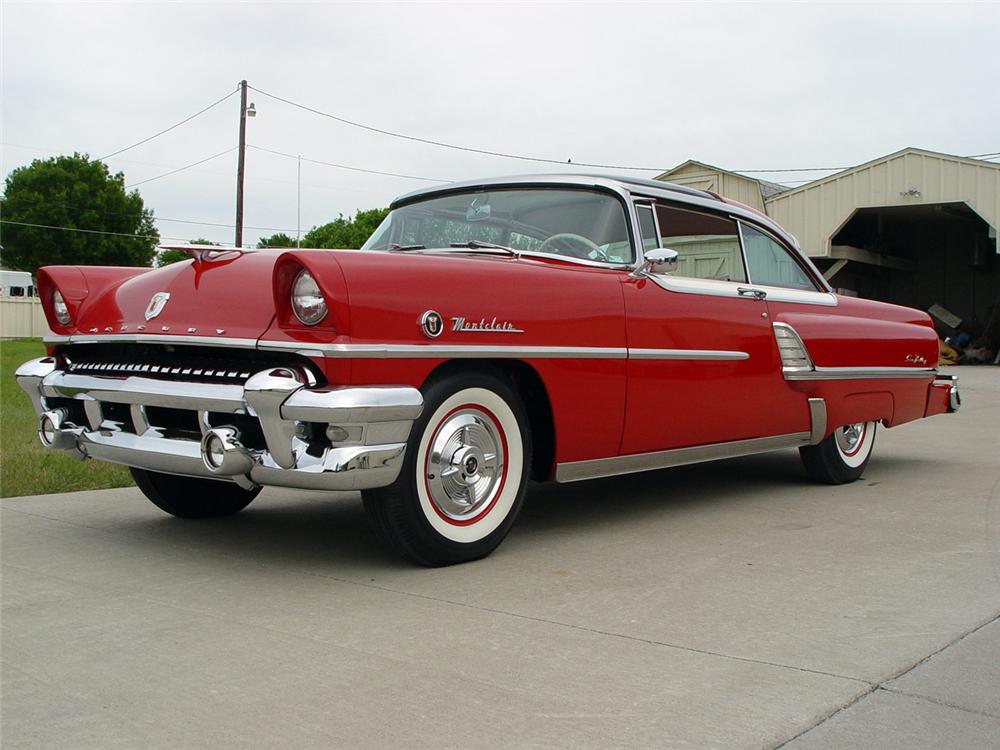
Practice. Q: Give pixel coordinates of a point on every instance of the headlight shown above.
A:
(307, 300)
(59, 306)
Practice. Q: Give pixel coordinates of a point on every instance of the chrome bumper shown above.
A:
(954, 397)
(314, 437)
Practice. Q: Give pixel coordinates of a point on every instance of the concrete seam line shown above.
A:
(881, 685)
(946, 704)
(595, 631)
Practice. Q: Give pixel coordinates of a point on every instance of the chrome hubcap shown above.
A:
(466, 464)
(849, 436)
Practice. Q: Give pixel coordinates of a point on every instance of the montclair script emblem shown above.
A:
(432, 324)
(484, 325)
(156, 304)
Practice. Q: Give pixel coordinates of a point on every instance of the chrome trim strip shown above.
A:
(479, 351)
(444, 351)
(576, 471)
(687, 354)
(817, 420)
(860, 373)
(141, 338)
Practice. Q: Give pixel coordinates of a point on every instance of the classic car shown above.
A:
(558, 327)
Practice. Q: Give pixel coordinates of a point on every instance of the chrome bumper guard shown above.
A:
(362, 430)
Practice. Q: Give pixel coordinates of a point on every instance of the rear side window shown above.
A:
(771, 264)
(707, 245)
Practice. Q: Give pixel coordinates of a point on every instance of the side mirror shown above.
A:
(660, 260)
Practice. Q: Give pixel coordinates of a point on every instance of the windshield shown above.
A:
(583, 224)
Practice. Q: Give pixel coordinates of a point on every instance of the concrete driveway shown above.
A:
(729, 605)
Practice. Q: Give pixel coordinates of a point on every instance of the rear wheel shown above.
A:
(191, 497)
(842, 456)
(463, 477)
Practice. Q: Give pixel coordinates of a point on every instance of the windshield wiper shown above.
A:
(479, 245)
(395, 246)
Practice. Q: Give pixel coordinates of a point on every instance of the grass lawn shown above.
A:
(26, 468)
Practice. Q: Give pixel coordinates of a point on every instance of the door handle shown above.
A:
(749, 291)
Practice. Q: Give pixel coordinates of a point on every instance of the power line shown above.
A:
(181, 169)
(442, 144)
(167, 130)
(981, 156)
(90, 231)
(344, 166)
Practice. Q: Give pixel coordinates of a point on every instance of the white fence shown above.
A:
(21, 318)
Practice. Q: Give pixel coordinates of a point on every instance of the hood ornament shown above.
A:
(209, 253)
(156, 305)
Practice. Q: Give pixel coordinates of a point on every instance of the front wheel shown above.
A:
(191, 497)
(463, 477)
(842, 456)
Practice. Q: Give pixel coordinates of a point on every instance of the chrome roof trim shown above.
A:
(571, 179)
(859, 373)
(152, 338)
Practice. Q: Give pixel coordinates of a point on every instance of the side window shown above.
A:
(647, 225)
(771, 264)
(708, 246)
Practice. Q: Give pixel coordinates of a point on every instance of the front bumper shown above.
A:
(279, 428)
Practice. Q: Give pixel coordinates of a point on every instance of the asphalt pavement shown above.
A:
(724, 605)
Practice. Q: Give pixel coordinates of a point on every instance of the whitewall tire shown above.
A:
(464, 474)
(843, 455)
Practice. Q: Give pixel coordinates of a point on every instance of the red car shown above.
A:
(546, 327)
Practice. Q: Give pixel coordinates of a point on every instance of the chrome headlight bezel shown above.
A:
(61, 309)
(308, 303)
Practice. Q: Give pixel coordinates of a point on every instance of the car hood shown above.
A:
(228, 297)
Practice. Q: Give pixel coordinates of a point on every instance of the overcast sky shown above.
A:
(746, 86)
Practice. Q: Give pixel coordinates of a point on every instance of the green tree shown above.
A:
(345, 233)
(166, 257)
(77, 193)
(277, 240)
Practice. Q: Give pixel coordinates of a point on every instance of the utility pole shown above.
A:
(242, 164)
(298, 206)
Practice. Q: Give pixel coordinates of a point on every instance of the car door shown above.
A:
(703, 365)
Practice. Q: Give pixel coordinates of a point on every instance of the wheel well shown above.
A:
(530, 387)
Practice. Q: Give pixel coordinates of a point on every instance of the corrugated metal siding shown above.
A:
(741, 189)
(22, 318)
(814, 213)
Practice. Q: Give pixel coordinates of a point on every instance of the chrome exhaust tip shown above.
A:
(223, 454)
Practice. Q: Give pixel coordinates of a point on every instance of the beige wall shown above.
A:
(733, 186)
(22, 318)
(815, 212)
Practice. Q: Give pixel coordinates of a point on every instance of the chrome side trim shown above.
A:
(861, 373)
(576, 471)
(817, 420)
(141, 338)
(478, 351)
(442, 351)
(687, 354)
(416, 351)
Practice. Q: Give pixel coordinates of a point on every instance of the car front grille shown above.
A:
(178, 363)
